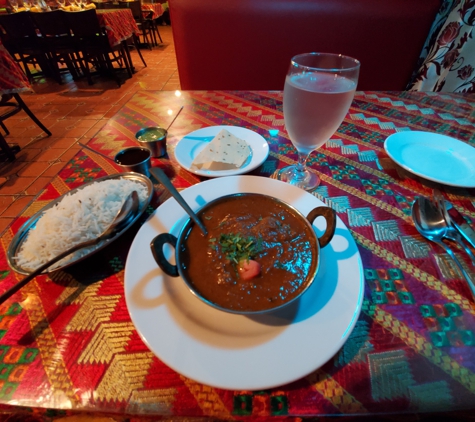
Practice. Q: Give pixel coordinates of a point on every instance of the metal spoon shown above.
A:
(433, 214)
(429, 224)
(167, 184)
(176, 115)
(97, 152)
(126, 213)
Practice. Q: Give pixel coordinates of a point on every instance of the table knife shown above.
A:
(461, 224)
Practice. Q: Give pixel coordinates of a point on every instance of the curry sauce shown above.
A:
(253, 227)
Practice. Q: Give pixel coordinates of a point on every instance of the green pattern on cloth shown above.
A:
(391, 375)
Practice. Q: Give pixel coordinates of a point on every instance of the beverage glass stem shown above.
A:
(300, 167)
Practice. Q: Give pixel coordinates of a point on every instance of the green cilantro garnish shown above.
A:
(237, 247)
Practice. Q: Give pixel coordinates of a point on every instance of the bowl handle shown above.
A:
(156, 245)
(329, 215)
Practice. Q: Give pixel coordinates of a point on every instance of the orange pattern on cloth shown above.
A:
(12, 78)
(155, 8)
(119, 24)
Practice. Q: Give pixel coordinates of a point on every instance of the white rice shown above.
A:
(76, 218)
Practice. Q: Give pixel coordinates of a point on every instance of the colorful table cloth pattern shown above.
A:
(120, 24)
(12, 78)
(155, 8)
(67, 341)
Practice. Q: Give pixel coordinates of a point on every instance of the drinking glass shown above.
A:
(318, 91)
(14, 5)
(42, 5)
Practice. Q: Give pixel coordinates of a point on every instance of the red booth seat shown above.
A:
(247, 44)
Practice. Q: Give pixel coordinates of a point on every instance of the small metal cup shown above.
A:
(135, 159)
(153, 138)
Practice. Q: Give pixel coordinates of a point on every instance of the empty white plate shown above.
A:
(433, 156)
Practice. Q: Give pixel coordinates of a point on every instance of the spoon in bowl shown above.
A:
(167, 184)
(430, 224)
(96, 152)
(126, 213)
(176, 115)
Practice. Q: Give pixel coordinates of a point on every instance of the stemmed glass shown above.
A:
(14, 5)
(43, 5)
(318, 91)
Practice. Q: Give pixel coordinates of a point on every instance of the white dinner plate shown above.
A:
(231, 351)
(191, 145)
(433, 156)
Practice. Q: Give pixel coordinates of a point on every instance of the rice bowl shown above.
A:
(79, 215)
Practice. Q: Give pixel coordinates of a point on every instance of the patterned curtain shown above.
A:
(447, 62)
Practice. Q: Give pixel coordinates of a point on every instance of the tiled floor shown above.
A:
(73, 111)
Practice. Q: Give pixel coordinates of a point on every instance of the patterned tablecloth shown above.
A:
(67, 342)
(12, 78)
(155, 8)
(119, 24)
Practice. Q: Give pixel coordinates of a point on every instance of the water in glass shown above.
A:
(318, 92)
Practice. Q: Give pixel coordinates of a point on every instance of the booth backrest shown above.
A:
(247, 44)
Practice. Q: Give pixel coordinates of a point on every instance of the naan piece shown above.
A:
(224, 152)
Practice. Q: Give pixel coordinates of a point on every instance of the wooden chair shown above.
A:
(91, 40)
(104, 5)
(153, 24)
(13, 108)
(144, 25)
(57, 43)
(18, 35)
(154, 28)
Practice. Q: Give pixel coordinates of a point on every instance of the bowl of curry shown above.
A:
(260, 253)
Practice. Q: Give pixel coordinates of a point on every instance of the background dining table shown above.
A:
(67, 342)
(156, 9)
(119, 24)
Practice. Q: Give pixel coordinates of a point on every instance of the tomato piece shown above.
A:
(248, 269)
